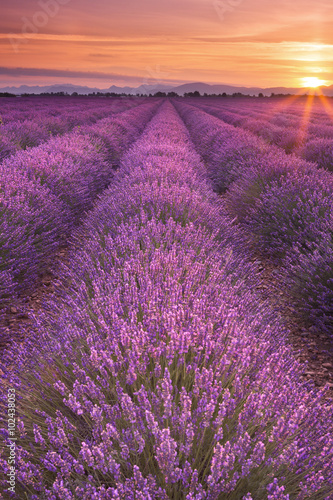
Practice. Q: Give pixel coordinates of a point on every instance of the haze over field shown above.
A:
(102, 43)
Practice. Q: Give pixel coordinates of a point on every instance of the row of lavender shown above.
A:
(45, 190)
(286, 112)
(53, 119)
(44, 108)
(162, 377)
(285, 203)
(37, 108)
(293, 113)
(310, 138)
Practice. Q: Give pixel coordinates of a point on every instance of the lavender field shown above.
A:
(140, 359)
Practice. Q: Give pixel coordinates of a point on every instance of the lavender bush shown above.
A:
(244, 194)
(293, 209)
(26, 134)
(31, 223)
(7, 148)
(72, 167)
(309, 279)
(319, 151)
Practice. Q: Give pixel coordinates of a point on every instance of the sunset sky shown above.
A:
(133, 42)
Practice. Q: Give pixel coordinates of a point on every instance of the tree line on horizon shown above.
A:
(159, 94)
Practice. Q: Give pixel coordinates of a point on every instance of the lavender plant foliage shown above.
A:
(319, 151)
(7, 288)
(177, 186)
(26, 134)
(244, 194)
(32, 220)
(7, 148)
(74, 168)
(309, 279)
(158, 374)
(293, 209)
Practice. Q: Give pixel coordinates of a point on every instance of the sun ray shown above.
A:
(327, 105)
(305, 122)
(283, 104)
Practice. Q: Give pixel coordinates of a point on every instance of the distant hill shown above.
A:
(231, 89)
(153, 88)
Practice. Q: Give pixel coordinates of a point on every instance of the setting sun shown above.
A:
(312, 81)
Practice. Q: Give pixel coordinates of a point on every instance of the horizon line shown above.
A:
(164, 84)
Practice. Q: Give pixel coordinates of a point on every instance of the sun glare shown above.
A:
(312, 81)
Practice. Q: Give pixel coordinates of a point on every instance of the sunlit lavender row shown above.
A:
(45, 190)
(156, 372)
(303, 127)
(284, 202)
